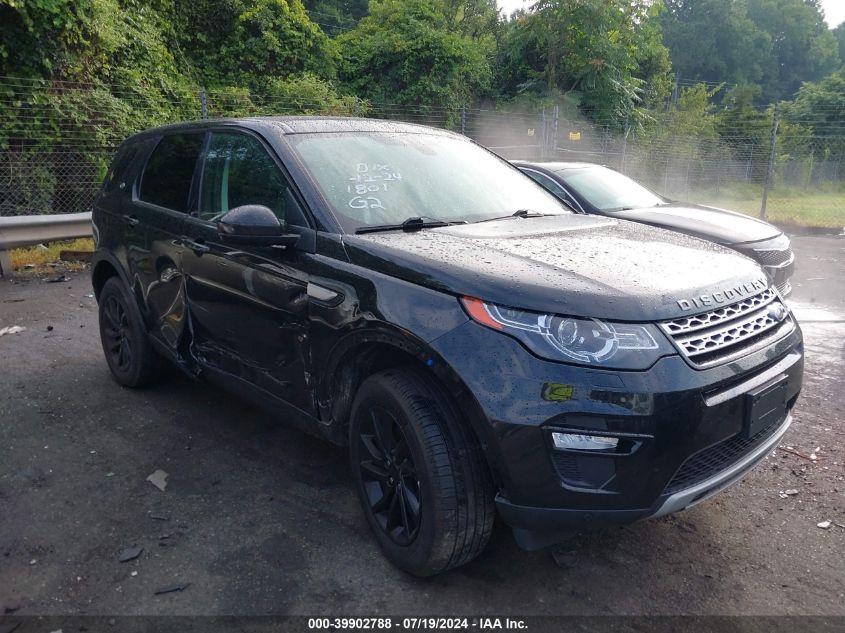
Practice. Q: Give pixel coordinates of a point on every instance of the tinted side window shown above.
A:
(238, 171)
(120, 164)
(167, 176)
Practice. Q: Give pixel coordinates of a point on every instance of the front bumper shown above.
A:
(538, 527)
(682, 430)
(775, 256)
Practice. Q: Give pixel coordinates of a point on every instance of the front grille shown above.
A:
(719, 315)
(711, 461)
(730, 331)
(774, 258)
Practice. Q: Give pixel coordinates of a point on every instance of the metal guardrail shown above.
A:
(27, 230)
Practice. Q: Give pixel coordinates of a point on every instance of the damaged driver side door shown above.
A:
(248, 304)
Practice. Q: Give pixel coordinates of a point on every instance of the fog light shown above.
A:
(584, 442)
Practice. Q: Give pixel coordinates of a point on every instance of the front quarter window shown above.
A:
(372, 179)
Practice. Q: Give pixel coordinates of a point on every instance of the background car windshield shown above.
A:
(607, 190)
(371, 179)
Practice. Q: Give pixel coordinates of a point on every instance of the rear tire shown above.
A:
(130, 356)
(419, 472)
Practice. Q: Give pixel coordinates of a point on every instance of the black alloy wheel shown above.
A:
(130, 356)
(117, 336)
(389, 476)
(420, 473)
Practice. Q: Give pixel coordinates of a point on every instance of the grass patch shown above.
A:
(39, 256)
(806, 208)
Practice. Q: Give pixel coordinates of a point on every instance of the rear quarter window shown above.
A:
(117, 171)
(169, 171)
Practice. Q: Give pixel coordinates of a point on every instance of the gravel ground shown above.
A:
(261, 519)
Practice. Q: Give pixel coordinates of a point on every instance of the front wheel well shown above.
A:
(356, 366)
(362, 361)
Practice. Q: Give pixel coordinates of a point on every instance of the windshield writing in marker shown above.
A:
(370, 179)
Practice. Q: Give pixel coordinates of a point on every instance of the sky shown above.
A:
(834, 10)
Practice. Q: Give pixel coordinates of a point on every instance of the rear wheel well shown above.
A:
(103, 271)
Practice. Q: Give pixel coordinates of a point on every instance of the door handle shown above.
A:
(131, 220)
(198, 246)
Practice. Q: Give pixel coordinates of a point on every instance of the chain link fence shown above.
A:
(55, 146)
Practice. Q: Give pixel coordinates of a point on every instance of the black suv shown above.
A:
(476, 345)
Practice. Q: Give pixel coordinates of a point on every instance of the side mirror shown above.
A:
(254, 224)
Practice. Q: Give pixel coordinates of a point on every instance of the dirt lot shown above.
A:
(261, 519)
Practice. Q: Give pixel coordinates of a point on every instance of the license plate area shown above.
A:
(765, 405)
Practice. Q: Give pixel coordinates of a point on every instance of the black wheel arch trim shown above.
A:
(101, 258)
(99, 261)
(334, 411)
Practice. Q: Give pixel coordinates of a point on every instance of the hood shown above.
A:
(709, 223)
(577, 265)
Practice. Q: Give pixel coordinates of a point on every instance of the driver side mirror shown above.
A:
(254, 224)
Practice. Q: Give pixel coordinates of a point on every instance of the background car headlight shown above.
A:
(577, 340)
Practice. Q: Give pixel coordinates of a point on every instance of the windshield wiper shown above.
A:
(521, 213)
(411, 224)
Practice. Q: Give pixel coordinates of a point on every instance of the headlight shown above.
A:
(583, 341)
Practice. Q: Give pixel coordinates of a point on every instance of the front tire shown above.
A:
(419, 472)
(132, 360)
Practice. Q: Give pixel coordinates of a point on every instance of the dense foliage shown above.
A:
(83, 74)
(610, 54)
(612, 59)
(776, 44)
(406, 52)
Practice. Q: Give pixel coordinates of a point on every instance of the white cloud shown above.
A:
(834, 12)
(509, 6)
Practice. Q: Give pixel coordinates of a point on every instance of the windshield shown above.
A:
(608, 190)
(373, 179)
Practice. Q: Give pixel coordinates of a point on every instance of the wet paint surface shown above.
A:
(567, 265)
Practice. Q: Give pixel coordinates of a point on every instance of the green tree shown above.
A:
(39, 37)
(87, 73)
(715, 41)
(477, 19)
(121, 71)
(774, 43)
(250, 41)
(693, 116)
(521, 58)
(803, 48)
(609, 52)
(839, 32)
(405, 52)
(336, 16)
(686, 135)
(746, 129)
(820, 108)
(654, 65)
